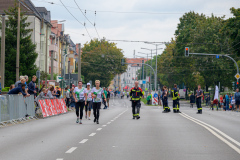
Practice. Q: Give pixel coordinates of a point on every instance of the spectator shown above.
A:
(49, 93)
(67, 96)
(237, 99)
(233, 103)
(37, 91)
(227, 102)
(221, 101)
(58, 93)
(11, 87)
(148, 99)
(42, 94)
(18, 83)
(31, 86)
(72, 100)
(192, 100)
(224, 102)
(26, 78)
(0, 86)
(19, 89)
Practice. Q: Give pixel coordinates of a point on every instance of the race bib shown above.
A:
(97, 100)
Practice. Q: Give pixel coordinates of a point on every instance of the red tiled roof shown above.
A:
(136, 60)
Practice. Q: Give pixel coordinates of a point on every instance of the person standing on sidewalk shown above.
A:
(192, 100)
(237, 99)
(97, 93)
(31, 86)
(78, 95)
(108, 97)
(199, 94)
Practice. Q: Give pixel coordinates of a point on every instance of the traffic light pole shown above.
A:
(221, 55)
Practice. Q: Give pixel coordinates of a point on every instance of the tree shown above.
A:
(28, 54)
(101, 61)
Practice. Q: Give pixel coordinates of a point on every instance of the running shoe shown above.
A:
(97, 122)
(94, 120)
(134, 117)
(77, 120)
(89, 118)
(80, 122)
(138, 117)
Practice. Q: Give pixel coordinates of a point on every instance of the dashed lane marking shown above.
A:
(59, 159)
(109, 123)
(84, 141)
(112, 120)
(71, 150)
(99, 129)
(212, 131)
(104, 125)
(92, 134)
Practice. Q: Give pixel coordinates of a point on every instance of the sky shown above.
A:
(132, 20)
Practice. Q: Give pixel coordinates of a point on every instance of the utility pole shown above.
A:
(79, 62)
(156, 71)
(46, 56)
(18, 43)
(51, 64)
(3, 51)
(69, 73)
(151, 74)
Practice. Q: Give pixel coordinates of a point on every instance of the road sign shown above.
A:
(217, 56)
(60, 78)
(237, 76)
(143, 82)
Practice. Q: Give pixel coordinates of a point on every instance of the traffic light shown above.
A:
(122, 62)
(186, 51)
(237, 84)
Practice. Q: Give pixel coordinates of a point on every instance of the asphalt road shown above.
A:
(166, 136)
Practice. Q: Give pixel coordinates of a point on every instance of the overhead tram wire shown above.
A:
(76, 19)
(87, 18)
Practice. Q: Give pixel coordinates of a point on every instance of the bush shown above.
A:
(6, 89)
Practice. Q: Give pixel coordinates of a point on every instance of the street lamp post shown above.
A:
(51, 64)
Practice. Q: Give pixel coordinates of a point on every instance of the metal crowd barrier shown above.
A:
(15, 108)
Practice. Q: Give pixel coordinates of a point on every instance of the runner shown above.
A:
(96, 94)
(88, 100)
(78, 95)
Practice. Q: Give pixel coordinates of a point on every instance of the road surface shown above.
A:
(214, 135)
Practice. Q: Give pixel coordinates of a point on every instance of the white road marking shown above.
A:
(109, 123)
(59, 159)
(213, 132)
(92, 134)
(99, 129)
(223, 134)
(84, 141)
(112, 120)
(71, 150)
(104, 125)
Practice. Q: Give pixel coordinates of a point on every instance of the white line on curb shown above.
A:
(92, 134)
(213, 132)
(71, 150)
(84, 141)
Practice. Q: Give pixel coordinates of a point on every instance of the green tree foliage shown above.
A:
(28, 55)
(101, 61)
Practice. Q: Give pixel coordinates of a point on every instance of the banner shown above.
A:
(54, 106)
(59, 106)
(63, 104)
(49, 107)
(43, 108)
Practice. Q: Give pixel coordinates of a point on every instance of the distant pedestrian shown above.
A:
(58, 92)
(67, 92)
(72, 100)
(227, 102)
(199, 94)
(237, 99)
(148, 99)
(192, 100)
(31, 86)
(108, 97)
(233, 103)
(224, 102)
(221, 102)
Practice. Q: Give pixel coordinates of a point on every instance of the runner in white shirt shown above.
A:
(97, 93)
(78, 95)
(88, 100)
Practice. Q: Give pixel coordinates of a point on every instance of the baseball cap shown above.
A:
(88, 84)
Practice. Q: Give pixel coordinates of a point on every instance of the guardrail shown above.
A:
(16, 108)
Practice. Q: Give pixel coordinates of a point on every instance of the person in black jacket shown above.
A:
(192, 100)
(20, 89)
(31, 86)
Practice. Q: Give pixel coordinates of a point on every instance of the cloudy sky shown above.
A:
(134, 20)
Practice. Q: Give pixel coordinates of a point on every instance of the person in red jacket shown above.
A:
(136, 94)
